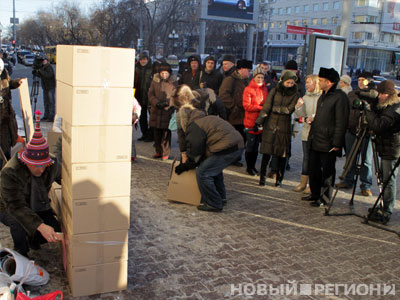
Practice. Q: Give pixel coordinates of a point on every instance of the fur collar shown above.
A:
(393, 99)
(286, 91)
(157, 78)
(187, 114)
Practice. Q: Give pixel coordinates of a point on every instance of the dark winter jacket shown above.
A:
(330, 122)
(46, 73)
(254, 97)
(15, 190)
(275, 117)
(212, 79)
(8, 123)
(231, 93)
(143, 82)
(354, 114)
(192, 80)
(207, 135)
(384, 121)
(160, 92)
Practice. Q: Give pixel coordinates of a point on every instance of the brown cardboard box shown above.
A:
(95, 66)
(56, 199)
(90, 144)
(94, 215)
(52, 138)
(183, 188)
(97, 180)
(96, 248)
(94, 105)
(97, 279)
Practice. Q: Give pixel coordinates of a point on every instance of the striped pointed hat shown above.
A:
(36, 152)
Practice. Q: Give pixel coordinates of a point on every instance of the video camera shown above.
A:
(368, 95)
(37, 65)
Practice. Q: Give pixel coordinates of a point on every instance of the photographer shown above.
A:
(384, 121)
(366, 91)
(43, 69)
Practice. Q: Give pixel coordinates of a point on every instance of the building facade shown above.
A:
(373, 32)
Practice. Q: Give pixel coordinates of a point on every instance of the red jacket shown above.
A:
(254, 97)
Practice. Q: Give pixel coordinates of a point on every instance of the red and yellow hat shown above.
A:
(36, 152)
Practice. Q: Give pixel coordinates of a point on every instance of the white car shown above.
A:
(28, 59)
(240, 4)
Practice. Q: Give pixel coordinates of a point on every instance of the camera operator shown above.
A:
(366, 91)
(43, 69)
(384, 121)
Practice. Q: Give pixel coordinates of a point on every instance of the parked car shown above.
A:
(240, 4)
(28, 59)
(21, 54)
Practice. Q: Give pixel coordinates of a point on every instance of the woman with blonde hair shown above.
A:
(306, 107)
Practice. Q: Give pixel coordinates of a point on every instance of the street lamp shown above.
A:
(173, 36)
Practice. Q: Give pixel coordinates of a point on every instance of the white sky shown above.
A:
(27, 8)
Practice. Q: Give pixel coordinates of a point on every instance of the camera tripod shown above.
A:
(34, 91)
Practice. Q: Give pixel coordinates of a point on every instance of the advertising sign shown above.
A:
(237, 11)
(305, 30)
(391, 17)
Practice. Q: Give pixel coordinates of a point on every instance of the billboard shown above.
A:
(325, 51)
(237, 11)
(305, 30)
(391, 17)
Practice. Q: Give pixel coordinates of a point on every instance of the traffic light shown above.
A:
(13, 43)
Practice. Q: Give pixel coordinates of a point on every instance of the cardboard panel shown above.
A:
(90, 66)
(56, 199)
(97, 180)
(82, 144)
(26, 109)
(94, 215)
(183, 188)
(97, 279)
(94, 105)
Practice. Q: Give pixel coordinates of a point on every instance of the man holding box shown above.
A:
(24, 186)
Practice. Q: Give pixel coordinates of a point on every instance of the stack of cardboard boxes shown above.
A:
(94, 99)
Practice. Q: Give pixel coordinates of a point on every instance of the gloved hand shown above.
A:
(256, 127)
(181, 168)
(161, 105)
(366, 105)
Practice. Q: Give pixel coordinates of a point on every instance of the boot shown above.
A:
(263, 169)
(254, 161)
(249, 163)
(307, 190)
(303, 184)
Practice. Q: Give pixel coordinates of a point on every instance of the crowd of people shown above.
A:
(212, 104)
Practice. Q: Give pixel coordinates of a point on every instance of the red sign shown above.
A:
(305, 30)
(396, 26)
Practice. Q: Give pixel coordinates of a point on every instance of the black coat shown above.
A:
(212, 80)
(46, 73)
(384, 121)
(330, 121)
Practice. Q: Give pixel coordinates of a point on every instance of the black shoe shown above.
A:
(309, 198)
(251, 172)
(262, 180)
(278, 183)
(224, 202)
(206, 207)
(318, 203)
(256, 171)
(237, 164)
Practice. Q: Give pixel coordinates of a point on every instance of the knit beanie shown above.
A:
(258, 71)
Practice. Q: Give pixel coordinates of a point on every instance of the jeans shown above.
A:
(366, 168)
(49, 101)
(305, 170)
(19, 234)
(210, 178)
(389, 195)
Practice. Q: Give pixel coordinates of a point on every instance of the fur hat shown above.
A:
(258, 71)
(165, 67)
(386, 87)
(346, 79)
(228, 57)
(244, 64)
(291, 65)
(288, 75)
(366, 75)
(36, 152)
(209, 58)
(143, 55)
(331, 74)
(193, 58)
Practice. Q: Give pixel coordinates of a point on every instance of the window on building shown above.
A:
(305, 22)
(281, 11)
(272, 24)
(382, 37)
(279, 24)
(271, 37)
(357, 35)
(294, 36)
(296, 22)
(325, 6)
(392, 38)
(372, 19)
(315, 21)
(265, 25)
(334, 20)
(297, 9)
(287, 22)
(315, 7)
(359, 19)
(324, 21)
(369, 36)
(374, 3)
(286, 36)
(278, 37)
(306, 8)
(288, 10)
(336, 5)
(361, 2)
(273, 11)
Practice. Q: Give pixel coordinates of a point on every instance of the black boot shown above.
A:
(263, 170)
(254, 161)
(249, 163)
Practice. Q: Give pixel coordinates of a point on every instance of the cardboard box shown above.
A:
(97, 279)
(183, 188)
(26, 109)
(94, 215)
(55, 196)
(94, 105)
(97, 180)
(83, 144)
(96, 248)
(95, 66)
(52, 138)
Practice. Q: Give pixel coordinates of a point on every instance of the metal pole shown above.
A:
(255, 47)
(202, 38)
(267, 34)
(344, 28)
(250, 33)
(14, 33)
(304, 52)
